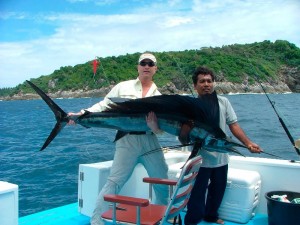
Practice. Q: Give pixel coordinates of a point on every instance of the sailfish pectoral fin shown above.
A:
(60, 115)
(196, 147)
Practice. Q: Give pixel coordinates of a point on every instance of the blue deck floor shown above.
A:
(69, 215)
(65, 215)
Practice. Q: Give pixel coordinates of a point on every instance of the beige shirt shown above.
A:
(127, 89)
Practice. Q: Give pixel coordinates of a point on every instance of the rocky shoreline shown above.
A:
(221, 88)
(288, 81)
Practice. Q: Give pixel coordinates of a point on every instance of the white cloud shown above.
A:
(80, 37)
(175, 21)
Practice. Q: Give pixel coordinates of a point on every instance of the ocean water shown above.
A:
(48, 178)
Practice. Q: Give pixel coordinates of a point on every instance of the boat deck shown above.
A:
(64, 215)
(69, 215)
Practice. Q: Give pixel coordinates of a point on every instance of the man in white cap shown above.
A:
(131, 147)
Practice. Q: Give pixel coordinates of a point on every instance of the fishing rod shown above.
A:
(166, 148)
(281, 121)
(277, 113)
(184, 77)
(191, 144)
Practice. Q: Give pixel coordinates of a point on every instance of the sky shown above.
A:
(38, 37)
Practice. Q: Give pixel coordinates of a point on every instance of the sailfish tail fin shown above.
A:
(60, 115)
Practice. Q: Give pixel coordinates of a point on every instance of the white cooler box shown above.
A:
(241, 194)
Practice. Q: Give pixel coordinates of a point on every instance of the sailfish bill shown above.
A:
(191, 119)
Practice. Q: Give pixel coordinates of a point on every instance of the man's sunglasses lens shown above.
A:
(147, 63)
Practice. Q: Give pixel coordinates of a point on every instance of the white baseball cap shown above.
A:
(147, 56)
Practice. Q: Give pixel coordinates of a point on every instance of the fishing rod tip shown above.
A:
(297, 143)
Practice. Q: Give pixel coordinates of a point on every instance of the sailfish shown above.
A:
(193, 120)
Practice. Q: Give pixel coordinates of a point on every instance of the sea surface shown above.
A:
(48, 178)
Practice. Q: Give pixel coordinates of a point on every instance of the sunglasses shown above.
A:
(150, 64)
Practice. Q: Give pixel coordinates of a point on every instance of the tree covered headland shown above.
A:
(236, 63)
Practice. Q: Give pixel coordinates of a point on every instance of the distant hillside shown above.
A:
(267, 62)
